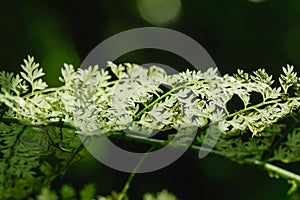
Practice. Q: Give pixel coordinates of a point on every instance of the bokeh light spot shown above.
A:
(257, 1)
(159, 12)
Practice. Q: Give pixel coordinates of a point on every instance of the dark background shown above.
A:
(236, 33)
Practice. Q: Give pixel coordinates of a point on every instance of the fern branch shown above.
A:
(196, 99)
(285, 174)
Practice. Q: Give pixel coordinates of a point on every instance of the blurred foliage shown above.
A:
(236, 33)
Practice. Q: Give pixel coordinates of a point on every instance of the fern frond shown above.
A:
(37, 122)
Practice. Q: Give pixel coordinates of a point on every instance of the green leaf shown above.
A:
(88, 192)
(47, 194)
(67, 192)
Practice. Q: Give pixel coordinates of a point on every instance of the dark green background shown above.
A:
(236, 33)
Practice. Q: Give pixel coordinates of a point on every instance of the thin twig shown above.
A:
(129, 180)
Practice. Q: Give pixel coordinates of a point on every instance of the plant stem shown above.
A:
(164, 96)
(129, 180)
(156, 101)
(253, 107)
(278, 171)
(285, 174)
(259, 105)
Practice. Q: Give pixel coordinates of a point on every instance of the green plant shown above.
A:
(39, 126)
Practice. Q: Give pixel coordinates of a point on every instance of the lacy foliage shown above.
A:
(37, 122)
(88, 192)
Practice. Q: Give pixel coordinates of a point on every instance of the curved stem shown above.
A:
(138, 115)
(129, 180)
(278, 171)
(285, 174)
(165, 95)
(253, 107)
(259, 105)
